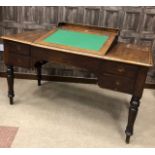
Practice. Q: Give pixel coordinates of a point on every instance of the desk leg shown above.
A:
(133, 109)
(10, 80)
(38, 67)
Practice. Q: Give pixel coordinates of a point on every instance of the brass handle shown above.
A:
(18, 48)
(117, 83)
(19, 61)
(121, 69)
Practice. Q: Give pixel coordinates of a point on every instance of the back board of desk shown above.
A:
(87, 40)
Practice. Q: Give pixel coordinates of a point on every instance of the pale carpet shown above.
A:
(74, 115)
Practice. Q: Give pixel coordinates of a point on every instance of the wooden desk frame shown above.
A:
(120, 69)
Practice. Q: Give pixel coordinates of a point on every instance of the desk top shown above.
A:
(80, 39)
(74, 39)
(121, 52)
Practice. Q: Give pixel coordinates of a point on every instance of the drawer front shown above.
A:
(18, 60)
(116, 83)
(119, 69)
(88, 63)
(17, 48)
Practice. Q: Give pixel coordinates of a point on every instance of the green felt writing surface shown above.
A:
(77, 39)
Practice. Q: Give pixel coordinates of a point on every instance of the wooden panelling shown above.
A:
(91, 15)
(1, 31)
(49, 15)
(9, 30)
(1, 15)
(148, 25)
(11, 13)
(111, 17)
(137, 25)
(132, 20)
(72, 14)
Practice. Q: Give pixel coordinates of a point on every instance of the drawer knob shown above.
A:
(121, 70)
(117, 83)
(18, 48)
(19, 61)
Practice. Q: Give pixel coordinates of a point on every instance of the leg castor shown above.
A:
(127, 139)
(11, 100)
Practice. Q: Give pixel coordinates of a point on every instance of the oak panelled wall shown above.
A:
(137, 25)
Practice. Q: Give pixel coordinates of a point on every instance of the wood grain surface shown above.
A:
(120, 52)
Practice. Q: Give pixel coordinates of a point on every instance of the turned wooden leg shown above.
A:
(38, 67)
(133, 110)
(10, 79)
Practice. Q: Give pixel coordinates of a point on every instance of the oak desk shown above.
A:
(117, 66)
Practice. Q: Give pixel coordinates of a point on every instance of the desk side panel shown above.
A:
(16, 54)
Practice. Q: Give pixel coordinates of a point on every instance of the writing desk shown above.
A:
(117, 66)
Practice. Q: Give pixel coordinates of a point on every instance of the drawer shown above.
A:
(17, 48)
(117, 83)
(119, 69)
(17, 60)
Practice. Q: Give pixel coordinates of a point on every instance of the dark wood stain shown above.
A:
(123, 68)
(136, 24)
